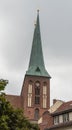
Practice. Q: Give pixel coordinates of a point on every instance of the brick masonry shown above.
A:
(29, 111)
(22, 102)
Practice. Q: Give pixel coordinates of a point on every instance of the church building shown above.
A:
(35, 94)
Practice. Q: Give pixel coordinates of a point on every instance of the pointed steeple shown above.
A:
(36, 58)
(36, 64)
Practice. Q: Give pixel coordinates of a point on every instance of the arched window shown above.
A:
(37, 93)
(44, 95)
(30, 94)
(36, 114)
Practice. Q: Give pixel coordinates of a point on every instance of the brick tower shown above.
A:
(35, 92)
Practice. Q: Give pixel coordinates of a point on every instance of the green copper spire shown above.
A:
(36, 64)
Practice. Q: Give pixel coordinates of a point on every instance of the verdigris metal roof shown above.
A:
(36, 64)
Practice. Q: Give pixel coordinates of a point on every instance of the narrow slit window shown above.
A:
(30, 95)
(37, 93)
(44, 96)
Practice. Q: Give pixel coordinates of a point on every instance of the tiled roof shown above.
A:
(66, 106)
(14, 100)
(62, 125)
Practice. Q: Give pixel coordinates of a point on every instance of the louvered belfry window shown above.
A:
(37, 93)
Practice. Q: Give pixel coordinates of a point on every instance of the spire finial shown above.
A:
(38, 11)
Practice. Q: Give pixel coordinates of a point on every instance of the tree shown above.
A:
(10, 118)
(3, 83)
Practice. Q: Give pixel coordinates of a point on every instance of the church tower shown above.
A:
(35, 92)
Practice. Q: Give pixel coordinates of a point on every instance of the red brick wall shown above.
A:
(29, 111)
(47, 121)
(14, 100)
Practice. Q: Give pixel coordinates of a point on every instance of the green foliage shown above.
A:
(10, 118)
(3, 83)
